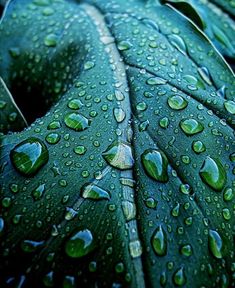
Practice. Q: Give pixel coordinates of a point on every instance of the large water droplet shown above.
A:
(178, 42)
(230, 106)
(177, 102)
(213, 173)
(204, 73)
(80, 244)
(179, 277)
(155, 164)
(119, 114)
(129, 210)
(92, 191)
(191, 126)
(159, 241)
(198, 147)
(76, 121)
(119, 155)
(215, 244)
(29, 156)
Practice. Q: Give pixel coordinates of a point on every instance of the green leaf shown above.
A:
(126, 180)
(214, 18)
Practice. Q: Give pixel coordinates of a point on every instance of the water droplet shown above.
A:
(177, 102)
(164, 122)
(119, 114)
(141, 106)
(129, 210)
(230, 106)
(54, 125)
(159, 241)
(215, 244)
(88, 65)
(221, 92)
(51, 40)
(53, 138)
(198, 147)
(186, 250)
(156, 81)
(193, 82)
(127, 182)
(155, 164)
(80, 150)
(30, 246)
(178, 43)
(135, 248)
(1, 225)
(29, 156)
(92, 191)
(151, 203)
(69, 282)
(191, 126)
(204, 73)
(226, 214)
(228, 194)
(70, 213)
(124, 45)
(80, 244)
(38, 192)
(179, 277)
(185, 189)
(213, 173)
(143, 125)
(76, 121)
(75, 104)
(119, 155)
(176, 210)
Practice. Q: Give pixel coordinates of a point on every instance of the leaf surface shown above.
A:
(127, 181)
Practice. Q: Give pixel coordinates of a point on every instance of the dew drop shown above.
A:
(228, 194)
(129, 210)
(204, 73)
(119, 155)
(156, 81)
(177, 102)
(80, 150)
(38, 192)
(30, 246)
(230, 106)
(119, 114)
(159, 241)
(75, 104)
(155, 164)
(53, 138)
(213, 173)
(135, 248)
(198, 147)
(164, 122)
(186, 250)
(124, 45)
(92, 191)
(29, 156)
(179, 277)
(178, 43)
(51, 40)
(80, 244)
(191, 126)
(76, 121)
(215, 244)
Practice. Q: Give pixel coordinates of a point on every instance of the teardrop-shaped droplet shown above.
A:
(156, 81)
(230, 106)
(53, 138)
(204, 73)
(186, 250)
(177, 102)
(29, 156)
(191, 126)
(198, 147)
(178, 42)
(119, 155)
(155, 164)
(124, 45)
(38, 192)
(76, 121)
(92, 191)
(215, 243)
(179, 277)
(129, 210)
(80, 244)
(159, 241)
(75, 104)
(119, 114)
(30, 246)
(213, 173)
(164, 122)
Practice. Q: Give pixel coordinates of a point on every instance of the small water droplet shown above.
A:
(198, 147)
(129, 210)
(179, 277)
(51, 40)
(177, 102)
(88, 65)
(92, 191)
(230, 106)
(215, 244)
(164, 122)
(119, 114)
(54, 125)
(155, 164)
(76, 121)
(135, 248)
(186, 250)
(191, 126)
(228, 194)
(156, 81)
(53, 138)
(159, 241)
(30, 246)
(124, 45)
(80, 244)
(38, 192)
(75, 104)
(119, 155)
(29, 156)
(213, 173)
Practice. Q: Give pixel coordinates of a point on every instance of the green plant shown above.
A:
(126, 177)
